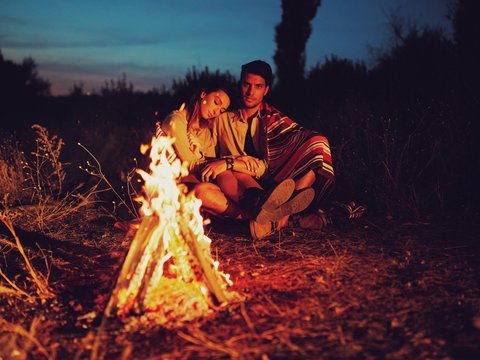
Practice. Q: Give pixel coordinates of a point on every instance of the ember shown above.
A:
(168, 270)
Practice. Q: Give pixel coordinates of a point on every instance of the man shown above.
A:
(271, 147)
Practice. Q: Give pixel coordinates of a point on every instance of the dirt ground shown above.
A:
(376, 288)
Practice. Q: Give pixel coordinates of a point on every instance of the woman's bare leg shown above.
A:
(215, 202)
(233, 184)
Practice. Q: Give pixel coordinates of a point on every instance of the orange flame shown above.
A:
(168, 269)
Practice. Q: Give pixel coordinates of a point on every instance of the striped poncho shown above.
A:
(293, 150)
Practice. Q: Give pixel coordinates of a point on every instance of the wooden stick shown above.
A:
(210, 278)
(130, 264)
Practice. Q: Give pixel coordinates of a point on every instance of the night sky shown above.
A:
(156, 41)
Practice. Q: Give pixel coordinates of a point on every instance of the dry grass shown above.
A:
(46, 173)
(48, 214)
(126, 201)
(40, 177)
(36, 183)
(378, 289)
(40, 281)
(12, 177)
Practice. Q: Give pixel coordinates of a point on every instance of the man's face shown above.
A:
(254, 90)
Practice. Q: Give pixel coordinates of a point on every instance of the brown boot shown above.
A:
(313, 220)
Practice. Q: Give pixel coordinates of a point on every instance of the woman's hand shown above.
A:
(213, 169)
(195, 146)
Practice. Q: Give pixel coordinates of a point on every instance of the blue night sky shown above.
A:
(156, 41)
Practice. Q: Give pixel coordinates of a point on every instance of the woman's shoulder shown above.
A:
(175, 119)
(175, 116)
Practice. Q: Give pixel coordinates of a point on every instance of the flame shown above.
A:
(168, 269)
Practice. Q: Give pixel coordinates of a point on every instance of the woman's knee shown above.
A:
(201, 190)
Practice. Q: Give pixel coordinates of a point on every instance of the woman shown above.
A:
(189, 126)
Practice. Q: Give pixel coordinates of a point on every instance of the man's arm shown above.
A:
(250, 165)
(244, 164)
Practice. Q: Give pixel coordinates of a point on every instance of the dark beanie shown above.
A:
(260, 68)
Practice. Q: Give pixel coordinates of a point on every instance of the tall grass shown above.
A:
(35, 182)
(402, 161)
(12, 174)
(39, 280)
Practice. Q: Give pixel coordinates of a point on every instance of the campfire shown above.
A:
(168, 272)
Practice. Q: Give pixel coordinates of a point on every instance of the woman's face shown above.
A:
(213, 104)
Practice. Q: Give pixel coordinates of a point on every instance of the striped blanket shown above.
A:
(293, 150)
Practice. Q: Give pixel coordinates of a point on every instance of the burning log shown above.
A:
(168, 269)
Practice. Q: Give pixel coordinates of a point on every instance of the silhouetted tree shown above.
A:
(464, 15)
(466, 26)
(336, 78)
(21, 80)
(420, 63)
(291, 36)
(465, 18)
(328, 87)
(77, 90)
(117, 87)
(20, 88)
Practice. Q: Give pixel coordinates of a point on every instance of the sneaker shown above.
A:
(259, 231)
(297, 203)
(280, 194)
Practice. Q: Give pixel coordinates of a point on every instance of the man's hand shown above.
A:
(213, 169)
(251, 164)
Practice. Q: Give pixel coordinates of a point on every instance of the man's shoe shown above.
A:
(270, 201)
(259, 231)
(298, 202)
(313, 221)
